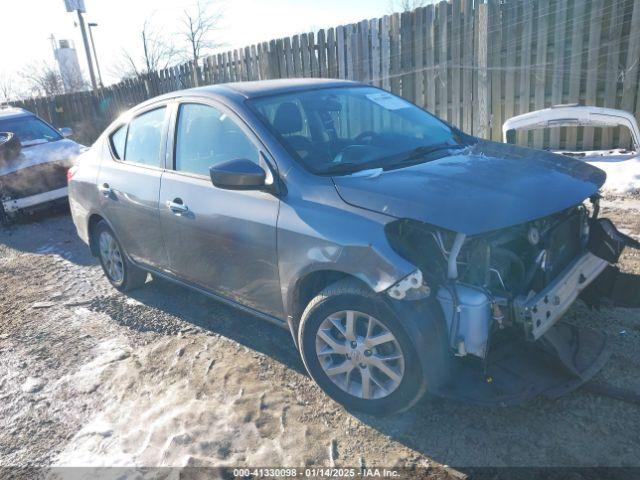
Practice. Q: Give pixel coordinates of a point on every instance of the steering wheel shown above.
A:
(371, 135)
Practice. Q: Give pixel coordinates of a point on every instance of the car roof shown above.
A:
(12, 112)
(235, 92)
(263, 88)
(254, 89)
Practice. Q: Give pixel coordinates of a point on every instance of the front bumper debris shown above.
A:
(565, 356)
(517, 371)
(605, 245)
(607, 242)
(540, 312)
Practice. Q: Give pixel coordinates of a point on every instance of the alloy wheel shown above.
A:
(111, 257)
(360, 354)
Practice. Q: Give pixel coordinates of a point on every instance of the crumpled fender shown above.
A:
(426, 326)
(607, 242)
(612, 287)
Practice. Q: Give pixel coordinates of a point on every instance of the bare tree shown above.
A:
(8, 89)
(43, 79)
(157, 54)
(199, 26)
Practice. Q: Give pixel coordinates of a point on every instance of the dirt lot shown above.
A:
(163, 376)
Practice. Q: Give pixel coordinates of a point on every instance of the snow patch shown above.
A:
(622, 176)
(89, 377)
(162, 407)
(83, 312)
(33, 385)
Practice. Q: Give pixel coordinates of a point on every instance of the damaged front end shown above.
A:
(35, 178)
(502, 294)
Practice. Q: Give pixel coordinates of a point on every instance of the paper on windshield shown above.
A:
(388, 101)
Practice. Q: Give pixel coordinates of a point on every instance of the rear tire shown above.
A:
(117, 267)
(347, 362)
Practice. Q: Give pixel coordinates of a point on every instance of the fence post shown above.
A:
(442, 14)
(495, 62)
(429, 45)
(406, 55)
(456, 42)
(630, 81)
(595, 32)
(394, 44)
(575, 70)
(559, 43)
(467, 72)
(481, 114)
(613, 66)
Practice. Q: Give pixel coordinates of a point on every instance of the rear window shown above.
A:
(29, 129)
(139, 141)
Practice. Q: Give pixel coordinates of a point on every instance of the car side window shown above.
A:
(143, 138)
(118, 140)
(205, 136)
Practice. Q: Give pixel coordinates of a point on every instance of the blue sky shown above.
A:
(26, 25)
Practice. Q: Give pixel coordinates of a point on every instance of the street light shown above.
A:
(95, 54)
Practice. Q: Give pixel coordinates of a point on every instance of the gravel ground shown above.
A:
(164, 376)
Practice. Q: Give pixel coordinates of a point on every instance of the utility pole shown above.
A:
(95, 54)
(83, 29)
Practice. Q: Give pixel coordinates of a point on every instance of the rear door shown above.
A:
(130, 185)
(222, 240)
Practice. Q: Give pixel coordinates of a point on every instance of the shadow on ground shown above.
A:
(47, 232)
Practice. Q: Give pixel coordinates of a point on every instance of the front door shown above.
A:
(130, 184)
(222, 240)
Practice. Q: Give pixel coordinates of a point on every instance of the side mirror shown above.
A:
(241, 174)
(66, 132)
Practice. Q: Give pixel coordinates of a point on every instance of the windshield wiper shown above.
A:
(350, 167)
(342, 168)
(395, 161)
(419, 153)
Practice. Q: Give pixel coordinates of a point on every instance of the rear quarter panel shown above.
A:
(83, 193)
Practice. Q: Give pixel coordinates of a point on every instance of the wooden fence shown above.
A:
(473, 63)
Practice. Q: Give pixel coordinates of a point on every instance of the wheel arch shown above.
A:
(93, 220)
(423, 321)
(307, 287)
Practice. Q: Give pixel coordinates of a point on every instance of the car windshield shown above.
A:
(29, 129)
(344, 130)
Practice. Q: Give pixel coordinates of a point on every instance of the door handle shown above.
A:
(176, 206)
(104, 189)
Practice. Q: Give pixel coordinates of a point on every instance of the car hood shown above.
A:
(485, 187)
(29, 156)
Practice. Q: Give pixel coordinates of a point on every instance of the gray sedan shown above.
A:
(404, 255)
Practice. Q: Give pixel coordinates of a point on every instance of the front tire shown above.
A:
(120, 272)
(357, 351)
